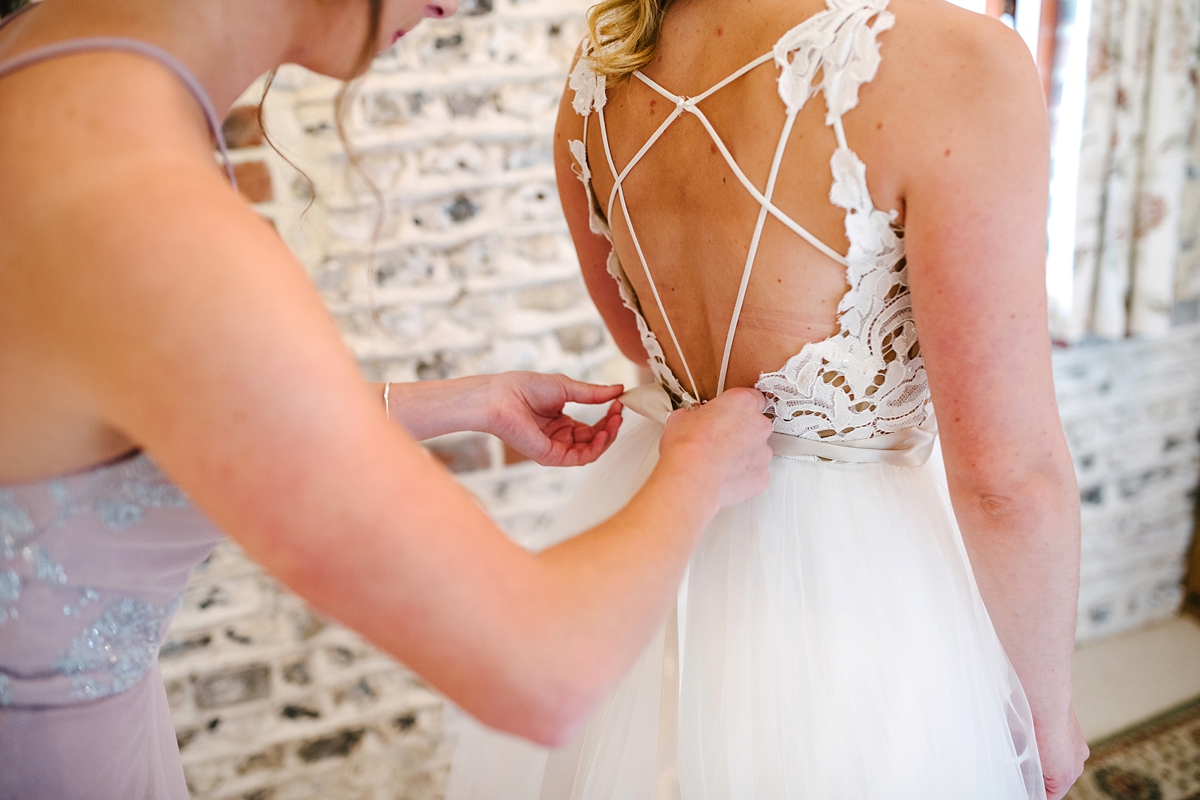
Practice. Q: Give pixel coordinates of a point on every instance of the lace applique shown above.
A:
(140, 486)
(584, 173)
(680, 397)
(868, 378)
(114, 653)
(838, 41)
(589, 88)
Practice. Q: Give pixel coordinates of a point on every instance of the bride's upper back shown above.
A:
(752, 178)
(695, 220)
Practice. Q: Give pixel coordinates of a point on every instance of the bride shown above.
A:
(783, 194)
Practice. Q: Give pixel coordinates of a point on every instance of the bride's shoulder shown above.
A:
(945, 67)
(939, 46)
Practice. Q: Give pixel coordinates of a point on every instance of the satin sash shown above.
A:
(907, 448)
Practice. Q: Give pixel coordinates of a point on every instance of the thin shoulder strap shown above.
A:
(51, 51)
(780, 146)
(689, 105)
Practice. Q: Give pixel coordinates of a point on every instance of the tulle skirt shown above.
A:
(832, 646)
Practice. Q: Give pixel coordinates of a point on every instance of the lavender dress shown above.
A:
(92, 566)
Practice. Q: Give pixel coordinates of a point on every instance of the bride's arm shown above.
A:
(592, 248)
(975, 192)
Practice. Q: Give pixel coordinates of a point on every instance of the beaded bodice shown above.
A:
(868, 378)
(92, 566)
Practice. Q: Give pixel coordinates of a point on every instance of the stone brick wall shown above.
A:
(1131, 411)
(469, 269)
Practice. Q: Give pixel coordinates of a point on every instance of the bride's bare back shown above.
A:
(695, 221)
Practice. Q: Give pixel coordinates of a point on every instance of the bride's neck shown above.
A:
(226, 44)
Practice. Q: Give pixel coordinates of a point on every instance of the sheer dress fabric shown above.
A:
(829, 640)
(92, 568)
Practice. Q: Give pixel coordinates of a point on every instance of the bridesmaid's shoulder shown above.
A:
(92, 122)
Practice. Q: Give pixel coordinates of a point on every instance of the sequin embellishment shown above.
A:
(141, 487)
(115, 651)
(45, 570)
(15, 528)
(15, 524)
(10, 592)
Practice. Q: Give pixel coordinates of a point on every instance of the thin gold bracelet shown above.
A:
(387, 410)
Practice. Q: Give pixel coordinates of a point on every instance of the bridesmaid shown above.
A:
(168, 371)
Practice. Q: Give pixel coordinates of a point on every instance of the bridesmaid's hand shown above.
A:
(525, 410)
(723, 442)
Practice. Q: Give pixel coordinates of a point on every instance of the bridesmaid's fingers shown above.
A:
(589, 393)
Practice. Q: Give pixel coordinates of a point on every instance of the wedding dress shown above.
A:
(829, 641)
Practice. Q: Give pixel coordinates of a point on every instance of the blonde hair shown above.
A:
(624, 35)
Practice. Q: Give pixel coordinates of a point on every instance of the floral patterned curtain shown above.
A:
(1137, 239)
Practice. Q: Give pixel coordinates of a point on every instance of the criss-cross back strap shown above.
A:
(99, 43)
(637, 245)
(767, 207)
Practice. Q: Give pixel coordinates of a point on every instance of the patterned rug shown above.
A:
(1157, 760)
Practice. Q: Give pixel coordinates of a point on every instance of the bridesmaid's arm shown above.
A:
(976, 196)
(178, 318)
(524, 409)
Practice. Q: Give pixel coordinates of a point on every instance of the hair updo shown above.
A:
(624, 35)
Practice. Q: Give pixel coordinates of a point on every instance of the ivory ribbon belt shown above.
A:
(907, 448)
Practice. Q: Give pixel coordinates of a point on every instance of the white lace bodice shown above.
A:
(868, 378)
